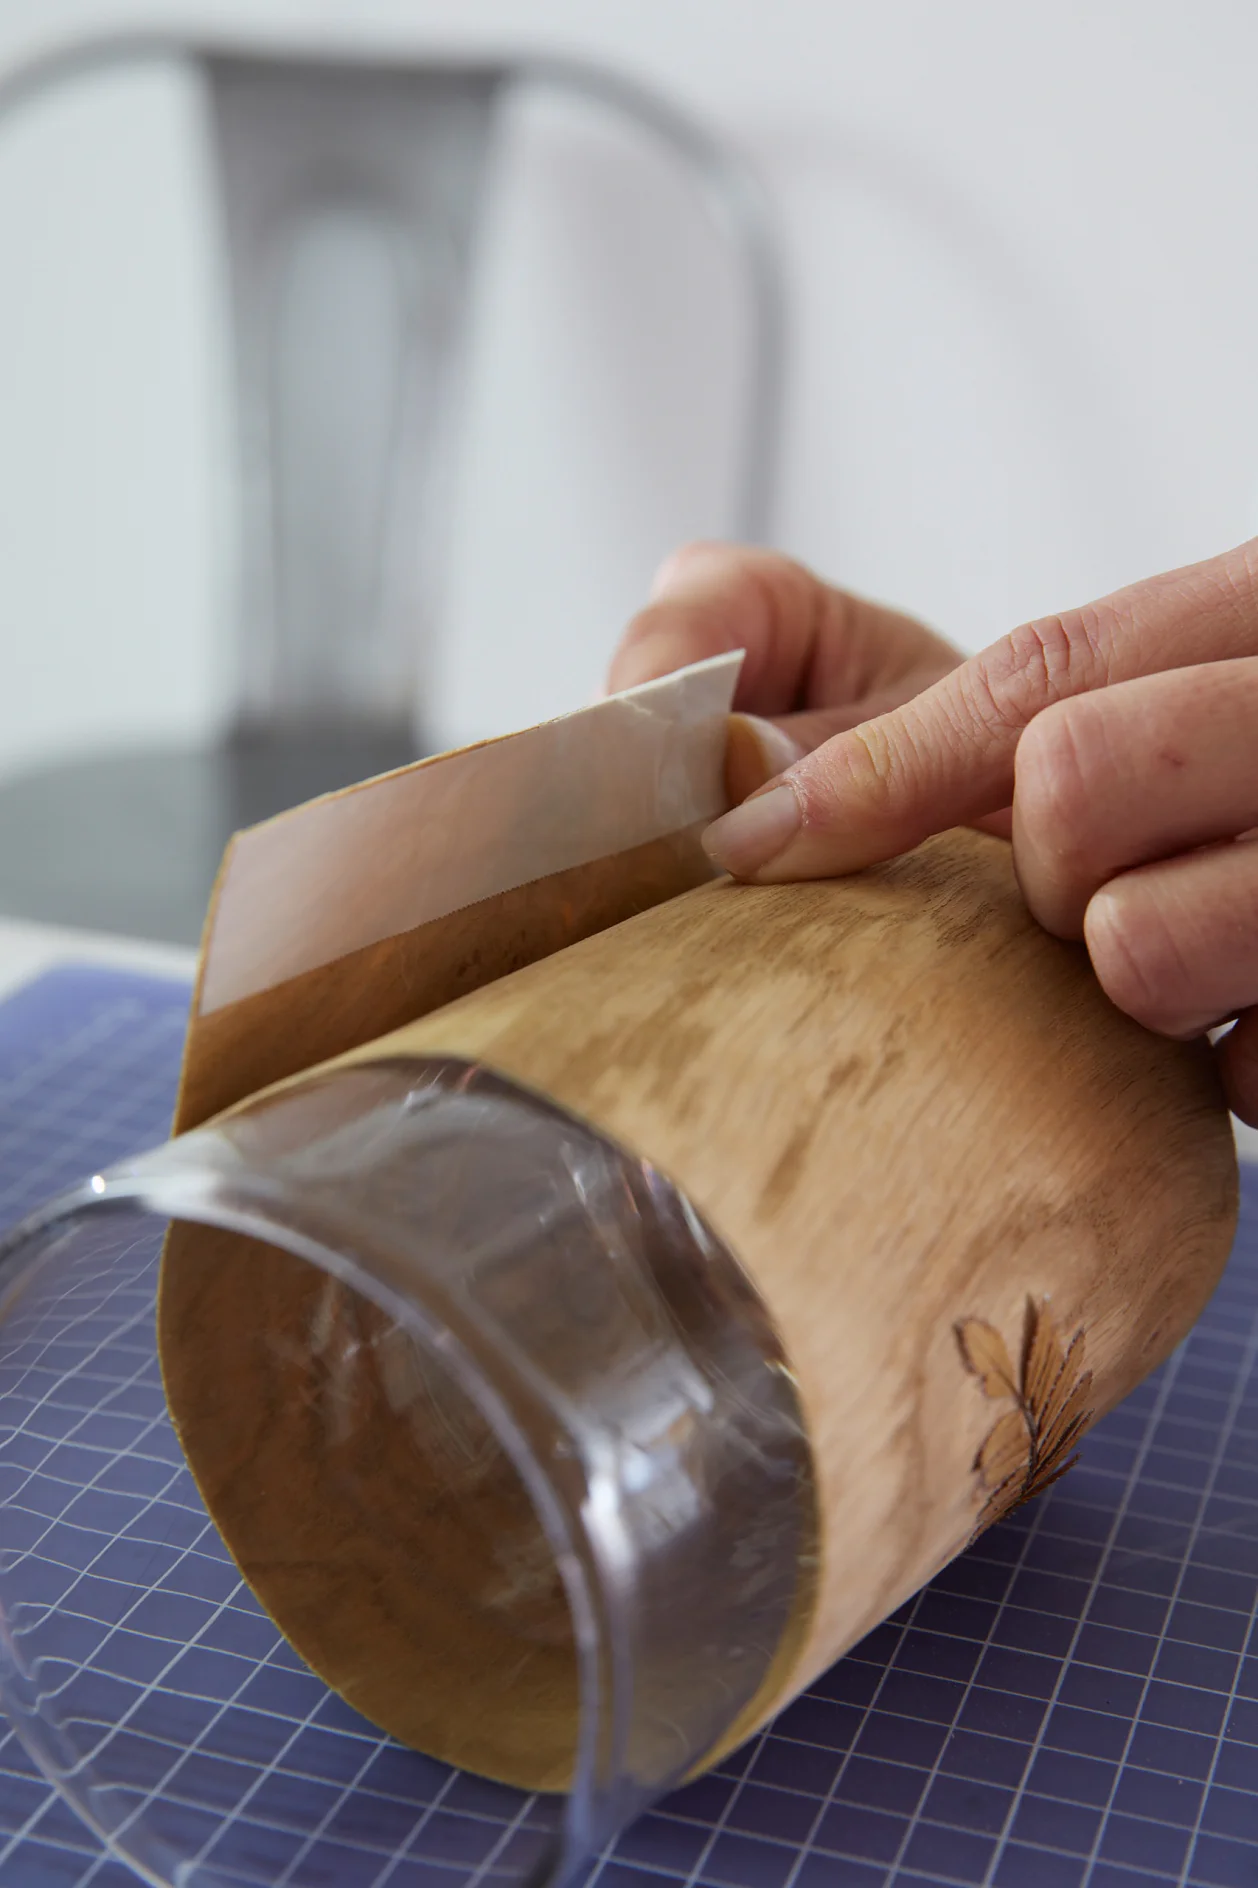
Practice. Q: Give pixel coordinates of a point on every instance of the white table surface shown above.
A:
(28, 949)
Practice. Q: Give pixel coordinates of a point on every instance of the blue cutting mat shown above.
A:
(1073, 1702)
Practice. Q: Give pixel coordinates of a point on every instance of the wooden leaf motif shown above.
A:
(1005, 1451)
(1042, 1357)
(985, 1353)
(1030, 1447)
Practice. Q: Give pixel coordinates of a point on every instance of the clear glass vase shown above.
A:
(480, 1410)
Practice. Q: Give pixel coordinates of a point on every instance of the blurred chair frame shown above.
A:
(324, 157)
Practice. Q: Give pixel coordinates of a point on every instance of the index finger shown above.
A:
(946, 758)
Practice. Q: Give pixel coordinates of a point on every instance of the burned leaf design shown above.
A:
(987, 1356)
(1005, 1451)
(1051, 1404)
(1030, 1447)
(1042, 1359)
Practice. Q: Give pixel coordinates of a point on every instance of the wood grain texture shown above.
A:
(902, 1104)
(905, 1108)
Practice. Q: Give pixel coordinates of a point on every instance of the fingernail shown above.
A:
(755, 752)
(754, 833)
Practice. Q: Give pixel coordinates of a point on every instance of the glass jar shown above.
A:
(473, 1511)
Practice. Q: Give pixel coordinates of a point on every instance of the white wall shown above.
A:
(1024, 262)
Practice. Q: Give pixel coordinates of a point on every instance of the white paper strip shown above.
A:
(355, 867)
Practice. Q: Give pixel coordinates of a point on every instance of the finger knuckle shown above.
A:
(1044, 655)
(864, 763)
(1235, 580)
(1045, 661)
(790, 596)
(701, 560)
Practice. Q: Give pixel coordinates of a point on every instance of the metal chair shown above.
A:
(348, 190)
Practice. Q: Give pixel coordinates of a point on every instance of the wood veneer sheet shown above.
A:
(354, 867)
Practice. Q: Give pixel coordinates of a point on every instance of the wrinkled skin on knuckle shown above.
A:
(1047, 661)
(1233, 578)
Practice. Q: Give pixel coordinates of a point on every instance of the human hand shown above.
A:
(1125, 735)
(817, 660)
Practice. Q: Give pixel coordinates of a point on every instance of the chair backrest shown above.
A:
(349, 190)
(349, 204)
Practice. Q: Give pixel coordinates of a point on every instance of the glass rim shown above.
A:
(203, 1178)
